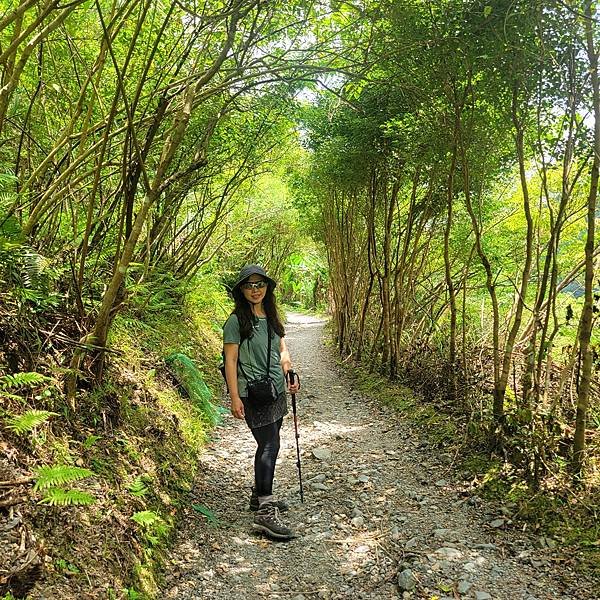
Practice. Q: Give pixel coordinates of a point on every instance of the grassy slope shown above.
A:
(138, 434)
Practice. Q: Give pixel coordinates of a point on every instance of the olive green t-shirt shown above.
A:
(252, 353)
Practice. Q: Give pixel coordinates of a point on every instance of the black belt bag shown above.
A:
(262, 391)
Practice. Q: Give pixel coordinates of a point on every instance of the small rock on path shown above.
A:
(377, 522)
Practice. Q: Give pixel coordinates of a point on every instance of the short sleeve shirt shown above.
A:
(252, 353)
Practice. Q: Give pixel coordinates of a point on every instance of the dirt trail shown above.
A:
(383, 516)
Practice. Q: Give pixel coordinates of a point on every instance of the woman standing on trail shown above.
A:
(256, 365)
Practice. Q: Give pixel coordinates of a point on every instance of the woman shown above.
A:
(247, 359)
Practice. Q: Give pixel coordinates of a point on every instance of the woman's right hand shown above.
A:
(237, 408)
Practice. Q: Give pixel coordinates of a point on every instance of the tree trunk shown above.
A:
(585, 330)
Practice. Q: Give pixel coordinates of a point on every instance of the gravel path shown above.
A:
(383, 517)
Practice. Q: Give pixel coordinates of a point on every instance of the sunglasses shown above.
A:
(254, 285)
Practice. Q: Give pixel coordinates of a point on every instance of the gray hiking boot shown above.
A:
(267, 521)
(280, 504)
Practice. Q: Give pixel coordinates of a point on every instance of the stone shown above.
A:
(482, 596)
(448, 553)
(471, 567)
(406, 580)
(464, 586)
(446, 534)
(411, 543)
(485, 547)
(319, 486)
(497, 523)
(322, 453)
(358, 521)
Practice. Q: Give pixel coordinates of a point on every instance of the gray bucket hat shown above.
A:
(253, 270)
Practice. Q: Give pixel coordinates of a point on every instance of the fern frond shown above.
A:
(34, 265)
(138, 487)
(146, 518)
(47, 477)
(58, 497)
(27, 421)
(17, 380)
(90, 440)
(8, 396)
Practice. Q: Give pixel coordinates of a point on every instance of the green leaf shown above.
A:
(28, 379)
(58, 475)
(138, 487)
(60, 497)
(212, 518)
(24, 423)
(90, 441)
(487, 11)
(146, 518)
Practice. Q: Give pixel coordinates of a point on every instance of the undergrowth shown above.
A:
(108, 475)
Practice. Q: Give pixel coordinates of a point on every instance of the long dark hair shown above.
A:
(246, 320)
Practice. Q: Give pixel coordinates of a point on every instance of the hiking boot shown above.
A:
(267, 520)
(280, 504)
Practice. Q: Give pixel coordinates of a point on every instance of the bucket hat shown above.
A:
(253, 270)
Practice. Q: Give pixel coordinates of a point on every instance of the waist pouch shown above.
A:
(262, 392)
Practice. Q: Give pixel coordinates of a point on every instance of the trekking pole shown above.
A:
(292, 376)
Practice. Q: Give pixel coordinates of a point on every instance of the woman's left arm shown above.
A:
(286, 361)
(286, 365)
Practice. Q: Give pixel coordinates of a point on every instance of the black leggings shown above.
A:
(267, 438)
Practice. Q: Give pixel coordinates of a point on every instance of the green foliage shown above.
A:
(19, 380)
(90, 440)
(209, 514)
(139, 486)
(146, 518)
(32, 419)
(188, 375)
(50, 476)
(66, 567)
(154, 527)
(58, 497)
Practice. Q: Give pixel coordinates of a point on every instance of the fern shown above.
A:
(90, 440)
(146, 518)
(27, 421)
(8, 396)
(58, 497)
(139, 487)
(22, 380)
(55, 475)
